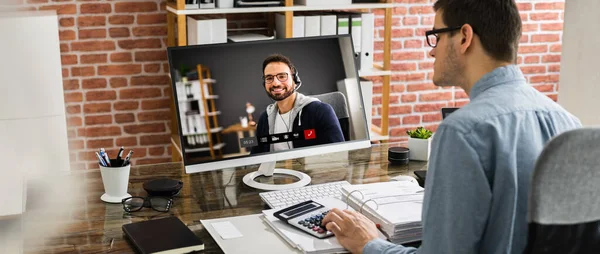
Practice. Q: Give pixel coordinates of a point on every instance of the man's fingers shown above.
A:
(333, 215)
(333, 227)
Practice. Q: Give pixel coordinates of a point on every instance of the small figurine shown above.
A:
(250, 110)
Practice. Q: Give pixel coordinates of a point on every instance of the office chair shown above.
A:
(564, 199)
(337, 100)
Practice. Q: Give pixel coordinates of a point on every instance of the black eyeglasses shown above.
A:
(282, 77)
(134, 204)
(433, 35)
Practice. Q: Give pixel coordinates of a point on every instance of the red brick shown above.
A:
(460, 95)
(442, 96)
(74, 121)
(96, 108)
(552, 27)
(95, 58)
(94, 8)
(554, 68)
(524, 6)
(544, 79)
(68, 59)
(524, 17)
(524, 39)
(126, 105)
(545, 38)
(70, 84)
(76, 144)
(100, 95)
(92, 34)
(137, 93)
(429, 107)
(143, 56)
(428, 118)
(407, 120)
(88, 156)
(91, 21)
(556, 48)
(156, 151)
(152, 68)
(554, 97)
(97, 120)
(396, 33)
(156, 104)
(149, 161)
(155, 139)
(427, 20)
(104, 131)
(404, 67)
(64, 47)
(150, 31)
(396, 110)
(420, 87)
(93, 46)
(150, 80)
(533, 69)
(82, 71)
(426, 66)
(124, 69)
(421, 10)
(66, 35)
(71, 133)
(118, 32)
(100, 143)
(145, 19)
(532, 59)
(61, 9)
(73, 109)
(66, 22)
(118, 82)
(125, 118)
(550, 6)
(530, 28)
(145, 128)
(403, 56)
(544, 88)
(408, 98)
(140, 43)
(127, 141)
(121, 57)
(121, 19)
(136, 7)
(551, 59)
(410, 21)
(413, 44)
(154, 116)
(543, 16)
(395, 132)
(93, 83)
(417, 76)
(65, 72)
(533, 49)
(397, 88)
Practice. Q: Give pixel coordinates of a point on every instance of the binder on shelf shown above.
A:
(343, 23)
(356, 32)
(366, 44)
(312, 25)
(328, 24)
(297, 27)
(206, 31)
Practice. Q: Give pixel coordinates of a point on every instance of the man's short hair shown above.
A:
(279, 58)
(496, 22)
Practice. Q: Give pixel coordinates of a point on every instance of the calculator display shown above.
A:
(299, 209)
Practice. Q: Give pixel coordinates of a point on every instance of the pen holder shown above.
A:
(115, 181)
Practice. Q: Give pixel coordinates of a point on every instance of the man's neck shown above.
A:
(477, 71)
(286, 104)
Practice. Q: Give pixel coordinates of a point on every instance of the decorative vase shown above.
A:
(419, 148)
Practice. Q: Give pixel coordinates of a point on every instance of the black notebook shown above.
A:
(164, 236)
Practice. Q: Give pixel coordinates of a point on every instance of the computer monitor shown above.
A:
(231, 110)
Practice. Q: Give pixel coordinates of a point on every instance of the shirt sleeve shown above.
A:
(457, 195)
(331, 125)
(379, 246)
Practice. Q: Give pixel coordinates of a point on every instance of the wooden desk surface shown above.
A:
(92, 226)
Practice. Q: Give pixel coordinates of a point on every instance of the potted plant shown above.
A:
(419, 143)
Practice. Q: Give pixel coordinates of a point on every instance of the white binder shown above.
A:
(312, 25)
(328, 25)
(366, 44)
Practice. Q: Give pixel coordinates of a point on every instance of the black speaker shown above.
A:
(398, 155)
(164, 187)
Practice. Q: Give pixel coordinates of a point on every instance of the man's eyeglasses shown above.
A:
(134, 204)
(433, 35)
(282, 77)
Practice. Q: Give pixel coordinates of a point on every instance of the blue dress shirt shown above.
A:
(482, 158)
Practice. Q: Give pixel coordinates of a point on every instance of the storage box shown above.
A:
(206, 31)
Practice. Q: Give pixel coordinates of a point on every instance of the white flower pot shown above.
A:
(419, 149)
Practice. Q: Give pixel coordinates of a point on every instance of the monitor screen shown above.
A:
(262, 101)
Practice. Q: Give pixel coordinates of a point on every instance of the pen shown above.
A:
(127, 158)
(100, 160)
(105, 156)
(120, 154)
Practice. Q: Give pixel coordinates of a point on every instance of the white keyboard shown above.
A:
(283, 198)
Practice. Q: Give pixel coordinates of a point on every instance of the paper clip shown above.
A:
(349, 194)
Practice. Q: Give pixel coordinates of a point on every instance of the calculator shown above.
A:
(306, 216)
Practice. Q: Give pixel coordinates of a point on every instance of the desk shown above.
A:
(94, 226)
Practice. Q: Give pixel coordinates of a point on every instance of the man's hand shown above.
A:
(353, 230)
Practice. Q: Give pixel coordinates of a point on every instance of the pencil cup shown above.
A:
(115, 181)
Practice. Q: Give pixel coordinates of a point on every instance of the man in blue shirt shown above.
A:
(484, 153)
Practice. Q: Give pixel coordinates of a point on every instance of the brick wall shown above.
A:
(117, 88)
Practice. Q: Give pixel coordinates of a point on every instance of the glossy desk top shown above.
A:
(92, 226)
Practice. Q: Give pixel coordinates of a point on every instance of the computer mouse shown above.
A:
(404, 178)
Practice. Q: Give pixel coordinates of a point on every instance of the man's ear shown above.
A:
(467, 36)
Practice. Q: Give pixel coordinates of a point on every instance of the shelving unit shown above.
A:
(177, 36)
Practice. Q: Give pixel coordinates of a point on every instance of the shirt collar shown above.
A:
(496, 77)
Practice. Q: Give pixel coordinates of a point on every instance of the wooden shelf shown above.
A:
(205, 149)
(213, 130)
(280, 9)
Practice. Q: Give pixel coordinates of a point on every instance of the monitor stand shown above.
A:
(268, 169)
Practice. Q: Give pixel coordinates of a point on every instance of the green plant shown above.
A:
(420, 132)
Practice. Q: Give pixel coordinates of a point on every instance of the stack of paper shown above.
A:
(396, 206)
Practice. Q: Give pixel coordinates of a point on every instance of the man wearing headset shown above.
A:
(293, 112)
